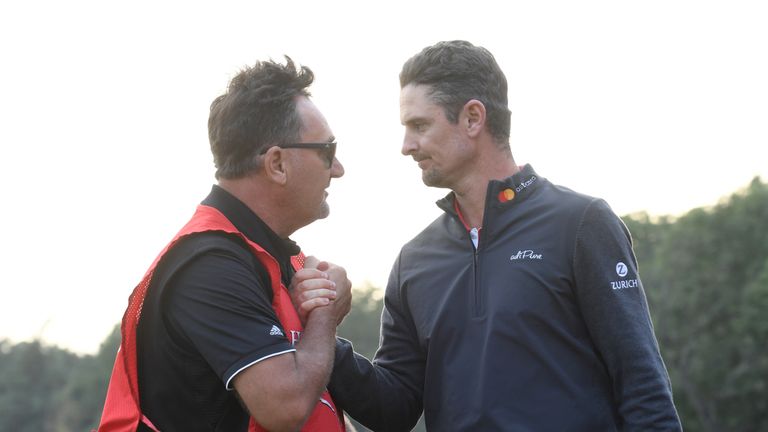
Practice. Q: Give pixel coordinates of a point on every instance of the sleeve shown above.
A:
(615, 310)
(218, 304)
(386, 394)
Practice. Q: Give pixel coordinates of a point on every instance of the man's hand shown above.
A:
(311, 288)
(343, 301)
(319, 284)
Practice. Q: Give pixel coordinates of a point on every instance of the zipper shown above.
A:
(474, 237)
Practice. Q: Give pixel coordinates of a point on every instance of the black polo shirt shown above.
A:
(207, 316)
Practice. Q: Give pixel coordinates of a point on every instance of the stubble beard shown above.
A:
(324, 211)
(433, 178)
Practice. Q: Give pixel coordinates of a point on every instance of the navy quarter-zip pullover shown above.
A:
(544, 326)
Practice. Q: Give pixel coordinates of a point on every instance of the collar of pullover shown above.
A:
(500, 193)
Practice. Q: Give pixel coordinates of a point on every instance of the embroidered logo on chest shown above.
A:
(527, 254)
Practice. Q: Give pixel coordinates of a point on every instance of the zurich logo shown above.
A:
(621, 269)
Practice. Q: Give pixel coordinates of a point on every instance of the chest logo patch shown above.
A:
(527, 254)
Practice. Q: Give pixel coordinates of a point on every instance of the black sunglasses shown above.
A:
(327, 149)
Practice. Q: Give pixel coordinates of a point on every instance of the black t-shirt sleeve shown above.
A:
(218, 304)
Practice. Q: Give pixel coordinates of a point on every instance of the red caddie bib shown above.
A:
(121, 407)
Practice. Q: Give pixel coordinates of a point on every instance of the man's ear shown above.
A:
(473, 119)
(275, 166)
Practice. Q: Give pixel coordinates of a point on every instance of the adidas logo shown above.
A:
(276, 331)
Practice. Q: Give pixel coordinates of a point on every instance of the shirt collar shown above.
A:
(503, 192)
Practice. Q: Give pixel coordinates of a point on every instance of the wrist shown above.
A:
(322, 316)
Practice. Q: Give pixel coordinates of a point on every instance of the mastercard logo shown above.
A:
(506, 195)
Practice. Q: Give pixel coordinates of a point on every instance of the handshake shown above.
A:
(321, 286)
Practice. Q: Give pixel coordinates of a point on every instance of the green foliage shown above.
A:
(361, 326)
(46, 388)
(80, 401)
(30, 377)
(706, 277)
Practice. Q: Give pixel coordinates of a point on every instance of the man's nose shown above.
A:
(409, 145)
(337, 169)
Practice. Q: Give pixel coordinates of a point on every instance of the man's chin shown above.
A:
(431, 180)
(325, 210)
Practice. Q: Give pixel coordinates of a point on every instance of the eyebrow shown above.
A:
(415, 120)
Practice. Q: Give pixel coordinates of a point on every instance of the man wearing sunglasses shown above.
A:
(211, 340)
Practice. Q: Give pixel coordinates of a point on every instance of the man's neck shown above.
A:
(243, 189)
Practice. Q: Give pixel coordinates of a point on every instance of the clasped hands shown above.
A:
(321, 284)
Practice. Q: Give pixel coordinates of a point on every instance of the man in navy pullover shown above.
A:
(518, 309)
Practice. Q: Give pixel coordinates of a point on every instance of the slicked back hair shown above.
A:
(257, 111)
(457, 72)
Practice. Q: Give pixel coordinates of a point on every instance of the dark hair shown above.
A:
(257, 111)
(457, 72)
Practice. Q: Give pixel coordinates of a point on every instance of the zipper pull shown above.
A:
(474, 234)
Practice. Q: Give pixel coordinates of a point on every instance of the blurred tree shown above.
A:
(361, 325)
(706, 277)
(30, 377)
(79, 403)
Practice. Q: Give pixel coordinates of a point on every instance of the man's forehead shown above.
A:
(313, 121)
(416, 102)
(415, 93)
